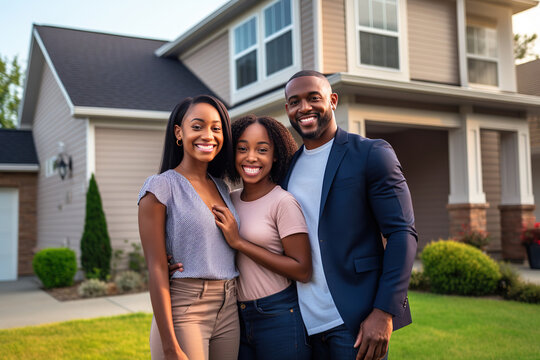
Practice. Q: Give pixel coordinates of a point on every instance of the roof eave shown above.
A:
(19, 167)
(522, 5)
(201, 29)
(102, 112)
(360, 85)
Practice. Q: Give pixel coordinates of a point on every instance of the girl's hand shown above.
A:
(227, 223)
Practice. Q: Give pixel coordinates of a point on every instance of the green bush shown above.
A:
(524, 292)
(456, 268)
(418, 281)
(509, 278)
(92, 288)
(55, 267)
(128, 280)
(95, 243)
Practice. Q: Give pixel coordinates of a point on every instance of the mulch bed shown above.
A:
(71, 292)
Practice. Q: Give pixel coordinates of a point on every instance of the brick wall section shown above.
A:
(472, 216)
(27, 185)
(513, 218)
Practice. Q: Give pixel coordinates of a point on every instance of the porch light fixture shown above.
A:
(63, 162)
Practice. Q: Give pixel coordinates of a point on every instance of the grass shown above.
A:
(444, 327)
(453, 327)
(118, 337)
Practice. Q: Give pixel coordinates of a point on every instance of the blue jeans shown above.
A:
(272, 328)
(335, 344)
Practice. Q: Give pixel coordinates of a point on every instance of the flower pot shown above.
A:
(533, 252)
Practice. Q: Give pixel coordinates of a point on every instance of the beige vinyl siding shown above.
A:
(423, 155)
(210, 63)
(534, 131)
(334, 41)
(307, 34)
(60, 203)
(528, 77)
(124, 159)
(491, 181)
(433, 51)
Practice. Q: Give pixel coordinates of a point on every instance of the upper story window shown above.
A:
(378, 33)
(245, 50)
(263, 44)
(482, 59)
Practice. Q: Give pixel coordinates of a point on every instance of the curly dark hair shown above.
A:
(223, 163)
(284, 144)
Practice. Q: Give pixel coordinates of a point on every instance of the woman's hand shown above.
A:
(227, 223)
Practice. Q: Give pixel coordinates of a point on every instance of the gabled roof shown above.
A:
(98, 70)
(17, 151)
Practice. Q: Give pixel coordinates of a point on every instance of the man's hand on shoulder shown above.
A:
(374, 335)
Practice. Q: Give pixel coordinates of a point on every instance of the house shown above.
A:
(528, 81)
(434, 78)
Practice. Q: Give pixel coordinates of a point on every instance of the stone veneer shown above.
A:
(26, 182)
(513, 219)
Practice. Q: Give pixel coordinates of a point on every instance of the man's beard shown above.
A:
(322, 124)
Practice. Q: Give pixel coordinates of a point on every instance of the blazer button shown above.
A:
(321, 240)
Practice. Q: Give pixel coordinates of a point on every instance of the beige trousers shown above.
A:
(205, 318)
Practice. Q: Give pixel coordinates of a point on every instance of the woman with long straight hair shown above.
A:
(195, 313)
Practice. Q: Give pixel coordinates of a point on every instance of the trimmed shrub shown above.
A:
(456, 268)
(418, 281)
(92, 288)
(509, 278)
(128, 280)
(524, 292)
(95, 243)
(55, 267)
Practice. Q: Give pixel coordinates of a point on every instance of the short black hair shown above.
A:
(173, 154)
(284, 144)
(302, 73)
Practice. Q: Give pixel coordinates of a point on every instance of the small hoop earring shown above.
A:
(179, 142)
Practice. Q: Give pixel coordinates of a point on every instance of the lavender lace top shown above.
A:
(192, 236)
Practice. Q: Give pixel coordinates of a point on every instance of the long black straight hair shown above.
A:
(173, 154)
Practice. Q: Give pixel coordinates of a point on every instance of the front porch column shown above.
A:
(517, 200)
(467, 200)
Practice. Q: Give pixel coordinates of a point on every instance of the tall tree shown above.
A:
(10, 90)
(523, 46)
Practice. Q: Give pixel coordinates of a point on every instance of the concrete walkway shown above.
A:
(23, 303)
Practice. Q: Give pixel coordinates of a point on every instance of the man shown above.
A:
(351, 190)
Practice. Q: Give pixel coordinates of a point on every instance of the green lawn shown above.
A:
(444, 327)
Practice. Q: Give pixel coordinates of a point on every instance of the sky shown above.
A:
(158, 19)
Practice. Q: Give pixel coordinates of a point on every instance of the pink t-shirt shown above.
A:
(265, 222)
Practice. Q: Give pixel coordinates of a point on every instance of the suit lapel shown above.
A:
(285, 182)
(337, 152)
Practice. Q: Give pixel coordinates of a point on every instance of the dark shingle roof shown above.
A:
(17, 147)
(105, 70)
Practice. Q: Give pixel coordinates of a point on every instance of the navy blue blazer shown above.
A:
(364, 195)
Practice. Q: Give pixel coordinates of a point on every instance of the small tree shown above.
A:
(524, 46)
(95, 242)
(10, 89)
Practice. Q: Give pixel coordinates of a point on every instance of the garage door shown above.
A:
(9, 224)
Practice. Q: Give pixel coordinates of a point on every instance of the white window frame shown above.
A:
(355, 65)
(472, 23)
(498, 17)
(255, 47)
(264, 82)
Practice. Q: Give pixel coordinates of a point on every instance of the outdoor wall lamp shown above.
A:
(63, 162)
